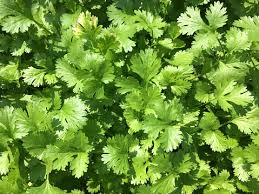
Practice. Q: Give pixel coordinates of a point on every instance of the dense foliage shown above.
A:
(129, 96)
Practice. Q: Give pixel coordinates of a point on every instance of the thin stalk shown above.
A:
(222, 48)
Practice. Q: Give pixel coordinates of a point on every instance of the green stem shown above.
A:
(226, 123)
(222, 48)
(252, 60)
(41, 26)
(10, 153)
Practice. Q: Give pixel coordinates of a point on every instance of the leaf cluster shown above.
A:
(126, 96)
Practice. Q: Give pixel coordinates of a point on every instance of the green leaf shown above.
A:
(216, 15)
(4, 163)
(229, 71)
(173, 30)
(79, 164)
(183, 58)
(203, 169)
(40, 17)
(86, 25)
(76, 56)
(186, 165)
(21, 48)
(171, 44)
(83, 59)
(68, 20)
(249, 123)
(206, 37)
(142, 189)
(255, 171)
(124, 34)
(74, 150)
(10, 72)
(256, 139)
(165, 185)
(153, 127)
(208, 40)
(45, 188)
(33, 76)
(106, 73)
(212, 136)
(152, 24)
(191, 21)
(92, 186)
(36, 118)
(58, 158)
(190, 118)
(36, 143)
(14, 17)
(146, 64)
(221, 184)
(209, 122)
(134, 100)
(227, 92)
(178, 78)
(71, 76)
(243, 42)
(204, 92)
(72, 114)
(117, 16)
(250, 25)
(85, 70)
(8, 128)
(116, 154)
(10, 183)
(169, 111)
(239, 164)
(144, 99)
(127, 85)
(217, 140)
(161, 163)
(171, 138)
(247, 22)
(140, 166)
(75, 191)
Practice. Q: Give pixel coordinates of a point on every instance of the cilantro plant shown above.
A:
(127, 96)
